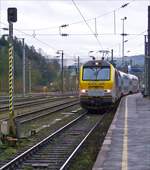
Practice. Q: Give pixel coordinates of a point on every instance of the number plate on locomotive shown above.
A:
(95, 93)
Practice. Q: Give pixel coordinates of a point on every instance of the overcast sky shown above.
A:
(39, 23)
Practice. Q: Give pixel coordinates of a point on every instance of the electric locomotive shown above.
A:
(101, 85)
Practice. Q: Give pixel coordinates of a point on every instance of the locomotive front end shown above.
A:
(96, 87)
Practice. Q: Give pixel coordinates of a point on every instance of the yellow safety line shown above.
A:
(124, 165)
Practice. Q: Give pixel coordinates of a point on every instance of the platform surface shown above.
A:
(127, 143)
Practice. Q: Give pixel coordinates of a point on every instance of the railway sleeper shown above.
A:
(55, 157)
(40, 161)
(53, 152)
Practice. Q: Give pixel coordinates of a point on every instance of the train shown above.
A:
(102, 85)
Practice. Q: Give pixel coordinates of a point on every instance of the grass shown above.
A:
(7, 151)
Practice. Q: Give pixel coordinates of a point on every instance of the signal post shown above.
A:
(148, 57)
(12, 17)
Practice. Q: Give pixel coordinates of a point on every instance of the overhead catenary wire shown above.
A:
(87, 23)
(93, 33)
(141, 33)
(30, 35)
(18, 30)
(73, 23)
(102, 34)
(36, 39)
(42, 42)
(73, 34)
(77, 34)
(135, 36)
(79, 22)
(85, 20)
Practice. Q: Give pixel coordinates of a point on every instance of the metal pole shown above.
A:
(114, 22)
(12, 127)
(29, 77)
(148, 56)
(112, 55)
(78, 71)
(96, 28)
(62, 72)
(2, 72)
(23, 68)
(123, 41)
(145, 66)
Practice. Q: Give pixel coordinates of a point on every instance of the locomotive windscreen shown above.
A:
(95, 73)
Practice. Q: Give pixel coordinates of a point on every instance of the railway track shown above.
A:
(28, 122)
(45, 111)
(5, 100)
(56, 150)
(33, 102)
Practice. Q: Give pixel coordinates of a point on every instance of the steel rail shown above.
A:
(48, 110)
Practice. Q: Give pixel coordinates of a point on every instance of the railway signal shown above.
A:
(12, 14)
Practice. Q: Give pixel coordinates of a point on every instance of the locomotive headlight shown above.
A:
(83, 92)
(108, 90)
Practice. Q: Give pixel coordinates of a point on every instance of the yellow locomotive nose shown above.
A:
(96, 84)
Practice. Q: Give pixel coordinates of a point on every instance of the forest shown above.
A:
(42, 72)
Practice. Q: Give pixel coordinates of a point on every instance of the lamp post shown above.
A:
(30, 79)
(125, 41)
(123, 34)
(23, 68)
(62, 69)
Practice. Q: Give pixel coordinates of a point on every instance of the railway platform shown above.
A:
(127, 143)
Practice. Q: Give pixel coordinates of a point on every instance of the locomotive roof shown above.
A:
(100, 62)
